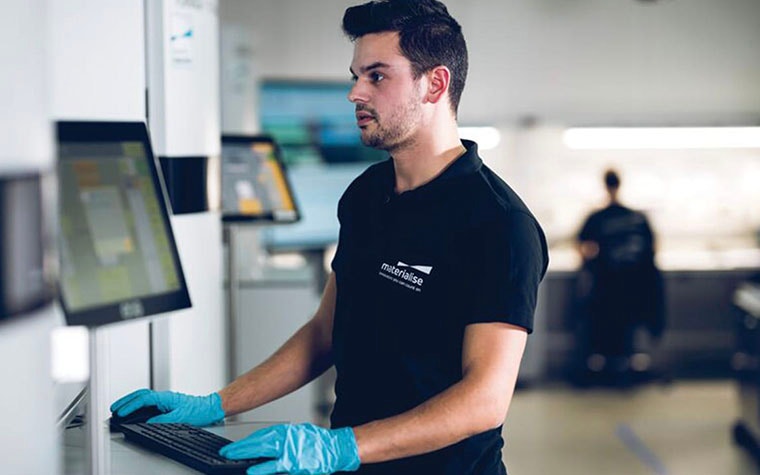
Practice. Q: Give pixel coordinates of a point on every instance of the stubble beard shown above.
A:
(395, 134)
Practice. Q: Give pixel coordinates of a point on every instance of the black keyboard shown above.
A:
(189, 445)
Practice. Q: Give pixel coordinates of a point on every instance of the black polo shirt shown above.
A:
(412, 271)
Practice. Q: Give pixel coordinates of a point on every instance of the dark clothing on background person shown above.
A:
(624, 237)
(412, 271)
(620, 288)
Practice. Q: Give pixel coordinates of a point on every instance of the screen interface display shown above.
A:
(114, 241)
(254, 181)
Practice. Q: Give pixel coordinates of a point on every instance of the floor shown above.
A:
(684, 427)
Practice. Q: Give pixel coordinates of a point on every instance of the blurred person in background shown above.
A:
(619, 291)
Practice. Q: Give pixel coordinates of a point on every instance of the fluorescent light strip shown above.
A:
(487, 138)
(633, 138)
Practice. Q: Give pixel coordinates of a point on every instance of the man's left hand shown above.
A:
(301, 449)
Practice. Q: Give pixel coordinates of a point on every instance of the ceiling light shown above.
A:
(487, 138)
(630, 138)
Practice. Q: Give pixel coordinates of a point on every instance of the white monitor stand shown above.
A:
(97, 443)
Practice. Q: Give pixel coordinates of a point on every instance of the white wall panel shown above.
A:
(25, 143)
(28, 443)
(197, 355)
(97, 57)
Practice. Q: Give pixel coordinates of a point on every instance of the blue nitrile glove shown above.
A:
(301, 449)
(179, 408)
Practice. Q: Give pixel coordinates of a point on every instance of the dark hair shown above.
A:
(611, 179)
(428, 36)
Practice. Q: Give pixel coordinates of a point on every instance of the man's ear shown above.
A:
(439, 79)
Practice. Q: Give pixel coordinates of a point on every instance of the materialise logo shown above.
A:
(404, 274)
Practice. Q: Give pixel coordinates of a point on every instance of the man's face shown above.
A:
(387, 98)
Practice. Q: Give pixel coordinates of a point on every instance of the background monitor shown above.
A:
(255, 184)
(118, 257)
(24, 283)
(313, 121)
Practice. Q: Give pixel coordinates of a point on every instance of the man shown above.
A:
(426, 313)
(620, 288)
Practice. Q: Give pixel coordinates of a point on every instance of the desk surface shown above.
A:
(131, 459)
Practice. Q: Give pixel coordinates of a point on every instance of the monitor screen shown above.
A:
(118, 257)
(255, 184)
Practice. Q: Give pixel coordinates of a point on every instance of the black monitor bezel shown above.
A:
(113, 312)
(265, 218)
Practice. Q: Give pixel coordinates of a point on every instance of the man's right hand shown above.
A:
(178, 407)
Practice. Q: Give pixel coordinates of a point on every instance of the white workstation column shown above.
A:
(184, 115)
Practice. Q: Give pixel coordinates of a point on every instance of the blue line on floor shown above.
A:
(639, 448)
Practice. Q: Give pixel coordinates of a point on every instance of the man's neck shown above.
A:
(425, 158)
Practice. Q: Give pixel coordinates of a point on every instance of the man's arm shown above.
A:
(490, 362)
(306, 355)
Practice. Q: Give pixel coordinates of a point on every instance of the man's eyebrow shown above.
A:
(375, 65)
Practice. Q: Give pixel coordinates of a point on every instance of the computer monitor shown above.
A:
(118, 257)
(255, 185)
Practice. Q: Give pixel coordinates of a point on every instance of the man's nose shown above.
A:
(357, 94)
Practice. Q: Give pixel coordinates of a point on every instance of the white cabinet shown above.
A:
(270, 312)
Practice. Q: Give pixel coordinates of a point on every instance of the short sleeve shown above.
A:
(340, 252)
(586, 233)
(510, 258)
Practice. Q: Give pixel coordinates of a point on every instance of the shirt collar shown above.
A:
(467, 163)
